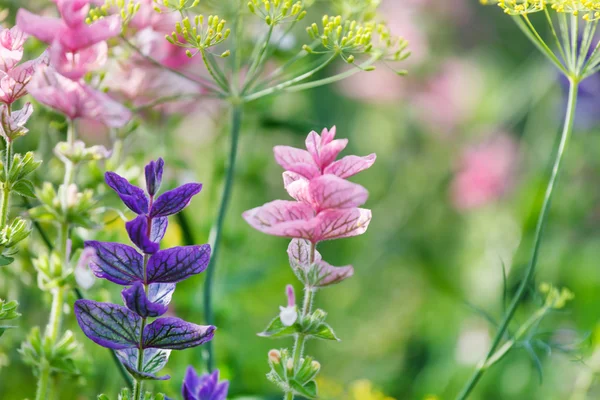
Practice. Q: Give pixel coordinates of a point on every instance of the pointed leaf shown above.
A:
(276, 329)
(154, 173)
(176, 334)
(323, 331)
(308, 390)
(24, 188)
(175, 200)
(108, 325)
(350, 165)
(178, 263)
(132, 196)
(159, 228)
(154, 360)
(116, 262)
(5, 260)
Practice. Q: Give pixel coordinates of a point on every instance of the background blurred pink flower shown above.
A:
(485, 172)
(11, 47)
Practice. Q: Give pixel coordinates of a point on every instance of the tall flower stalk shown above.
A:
(326, 207)
(577, 57)
(352, 35)
(150, 276)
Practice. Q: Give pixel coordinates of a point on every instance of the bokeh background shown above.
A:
(464, 144)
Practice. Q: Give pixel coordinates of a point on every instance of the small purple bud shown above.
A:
(154, 173)
(290, 295)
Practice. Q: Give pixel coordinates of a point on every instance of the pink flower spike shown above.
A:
(324, 149)
(76, 100)
(350, 165)
(11, 47)
(76, 65)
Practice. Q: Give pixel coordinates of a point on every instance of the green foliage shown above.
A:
(8, 312)
(37, 351)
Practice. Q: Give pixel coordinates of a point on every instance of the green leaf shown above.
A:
(323, 331)
(308, 390)
(5, 260)
(24, 188)
(277, 329)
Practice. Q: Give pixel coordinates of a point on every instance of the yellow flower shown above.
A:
(363, 390)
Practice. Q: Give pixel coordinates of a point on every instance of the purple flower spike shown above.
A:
(176, 334)
(118, 263)
(154, 173)
(109, 325)
(205, 387)
(132, 196)
(178, 263)
(154, 304)
(175, 200)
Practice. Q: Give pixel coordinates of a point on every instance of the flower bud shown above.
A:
(275, 356)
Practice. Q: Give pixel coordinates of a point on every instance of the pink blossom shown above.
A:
(11, 47)
(326, 205)
(71, 31)
(76, 65)
(316, 272)
(75, 99)
(13, 83)
(485, 172)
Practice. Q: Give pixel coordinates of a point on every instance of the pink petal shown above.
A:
(313, 145)
(283, 218)
(78, 38)
(350, 165)
(73, 12)
(333, 224)
(324, 152)
(296, 186)
(328, 135)
(43, 28)
(106, 110)
(331, 192)
(76, 65)
(330, 151)
(296, 160)
(329, 275)
(299, 253)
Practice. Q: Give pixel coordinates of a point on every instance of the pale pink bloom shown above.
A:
(320, 156)
(486, 171)
(13, 83)
(288, 315)
(315, 272)
(71, 31)
(11, 47)
(76, 65)
(326, 191)
(75, 99)
(298, 220)
(12, 123)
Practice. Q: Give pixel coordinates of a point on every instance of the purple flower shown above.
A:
(150, 276)
(205, 387)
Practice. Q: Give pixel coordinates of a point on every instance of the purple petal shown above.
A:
(138, 233)
(175, 200)
(154, 361)
(132, 196)
(191, 384)
(118, 263)
(159, 228)
(108, 325)
(176, 334)
(177, 263)
(136, 300)
(154, 173)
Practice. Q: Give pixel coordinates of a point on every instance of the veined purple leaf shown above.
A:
(139, 235)
(177, 263)
(159, 228)
(108, 325)
(154, 172)
(154, 304)
(175, 200)
(116, 262)
(154, 361)
(176, 334)
(132, 196)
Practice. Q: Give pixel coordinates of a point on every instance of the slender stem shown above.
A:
(209, 67)
(4, 207)
(537, 40)
(56, 312)
(257, 63)
(291, 82)
(288, 396)
(217, 229)
(43, 381)
(541, 223)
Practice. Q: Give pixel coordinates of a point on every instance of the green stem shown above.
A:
(530, 31)
(216, 231)
(4, 207)
(43, 381)
(541, 223)
(56, 313)
(257, 63)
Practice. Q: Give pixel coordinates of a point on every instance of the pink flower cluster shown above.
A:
(327, 205)
(76, 48)
(14, 78)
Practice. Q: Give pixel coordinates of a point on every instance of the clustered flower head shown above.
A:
(150, 276)
(198, 35)
(275, 12)
(76, 49)
(14, 79)
(205, 387)
(589, 9)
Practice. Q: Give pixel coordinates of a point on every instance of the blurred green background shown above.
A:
(464, 144)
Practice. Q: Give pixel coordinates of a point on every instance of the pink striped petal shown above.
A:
(74, 65)
(296, 186)
(334, 224)
(296, 160)
(350, 165)
(330, 192)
